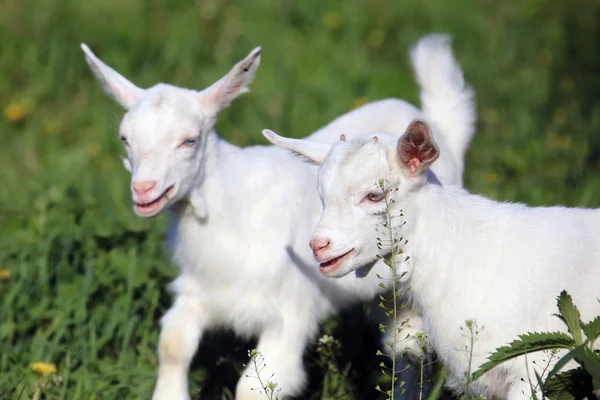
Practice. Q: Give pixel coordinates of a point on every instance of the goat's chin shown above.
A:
(340, 272)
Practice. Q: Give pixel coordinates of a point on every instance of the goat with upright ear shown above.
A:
(498, 264)
(220, 94)
(417, 149)
(116, 85)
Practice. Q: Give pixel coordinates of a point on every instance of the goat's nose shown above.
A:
(318, 244)
(142, 187)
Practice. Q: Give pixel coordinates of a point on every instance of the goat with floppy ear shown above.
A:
(242, 217)
(499, 264)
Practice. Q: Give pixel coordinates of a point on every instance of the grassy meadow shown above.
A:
(83, 281)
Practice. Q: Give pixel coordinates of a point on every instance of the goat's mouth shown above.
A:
(336, 262)
(154, 207)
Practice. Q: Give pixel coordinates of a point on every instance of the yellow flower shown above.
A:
(490, 116)
(490, 177)
(43, 369)
(376, 39)
(4, 274)
(359, 101)
(333, 21)
(15, 112)
(558, 141)
(93, 149)
(53, 126)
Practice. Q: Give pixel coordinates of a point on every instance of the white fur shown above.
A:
(471, 258)
(241, 222)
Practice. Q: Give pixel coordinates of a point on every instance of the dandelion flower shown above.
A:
(93, 149)
(333, 21)
(360, 101)
(4, 274)
(43, 369)
(15, 112)
(53, 126)
(490, 116)
(376, 39)
(490, 177)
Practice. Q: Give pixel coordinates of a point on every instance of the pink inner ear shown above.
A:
(416, 149)
(413, 164)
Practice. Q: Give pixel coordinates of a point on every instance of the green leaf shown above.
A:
(540, 384)
(592, 329)
(574, 383)
(563, 361)
(527, 343)
(591, 362)
(436, 392)
(570, 315)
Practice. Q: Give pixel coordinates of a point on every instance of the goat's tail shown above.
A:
(445, 97)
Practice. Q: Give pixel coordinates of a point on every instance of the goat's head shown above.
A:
(165, 130)
(353, 199)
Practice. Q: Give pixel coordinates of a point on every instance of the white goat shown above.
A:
(500, 264)
(242, 217)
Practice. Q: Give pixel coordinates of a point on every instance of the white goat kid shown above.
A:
(500, 264)
(241, 224)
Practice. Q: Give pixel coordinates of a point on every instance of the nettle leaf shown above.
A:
(570, 315)
(564, 360)
(592, 329)
(591, 362)
(574, 383)
(527, 343)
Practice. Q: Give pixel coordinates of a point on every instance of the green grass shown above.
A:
(88, 278)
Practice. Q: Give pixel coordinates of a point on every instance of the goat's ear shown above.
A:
(417, 149)
(220, 94)
(116, 85)
(314, 151)
(127, 164)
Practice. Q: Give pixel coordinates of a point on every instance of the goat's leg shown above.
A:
(282, 348)
(182, 328)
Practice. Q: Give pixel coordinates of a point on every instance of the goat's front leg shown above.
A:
(182, 328)
(282, 348)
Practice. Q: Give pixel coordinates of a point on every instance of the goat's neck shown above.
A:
(434, 228)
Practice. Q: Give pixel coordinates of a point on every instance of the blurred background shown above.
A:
(83, 281)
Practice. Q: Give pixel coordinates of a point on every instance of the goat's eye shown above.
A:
(375, 197)
(124, 140)
(189, 142)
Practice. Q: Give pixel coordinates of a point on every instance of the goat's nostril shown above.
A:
(318, 244)
(141, 187)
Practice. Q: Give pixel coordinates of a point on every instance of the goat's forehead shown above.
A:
(354, 168)
(162, 114)
(178, 98)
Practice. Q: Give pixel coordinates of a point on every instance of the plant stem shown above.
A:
(421, 368)
(394, 283)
